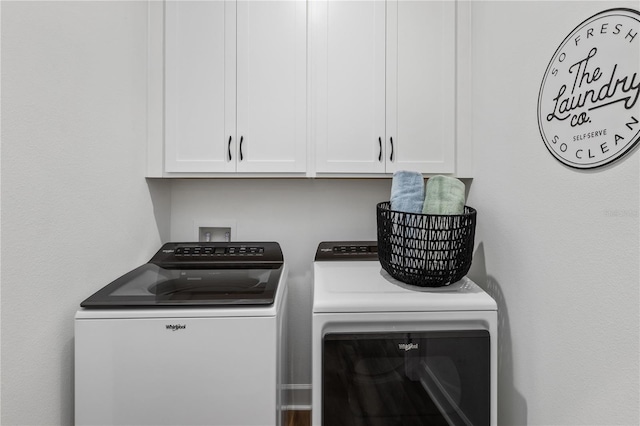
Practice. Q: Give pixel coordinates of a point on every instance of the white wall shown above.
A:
(76, 209)
(557, 248)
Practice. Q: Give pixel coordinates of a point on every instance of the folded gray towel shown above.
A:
(444, 195)
(407, 192)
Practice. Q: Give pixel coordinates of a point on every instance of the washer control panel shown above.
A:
(217, 254)
(207, 251)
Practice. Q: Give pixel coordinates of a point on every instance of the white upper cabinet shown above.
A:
(272, 86)
(421, 55)
(348, 86)
(383, 86)
(235, 86)
(199, 86)
(308, 88)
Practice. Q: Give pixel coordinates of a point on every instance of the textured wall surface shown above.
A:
(76, 209)
(557, 248)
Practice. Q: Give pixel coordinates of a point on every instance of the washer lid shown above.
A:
(198, 274)
(366, 287)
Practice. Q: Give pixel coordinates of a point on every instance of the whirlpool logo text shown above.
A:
(407, 346)
(176, 327)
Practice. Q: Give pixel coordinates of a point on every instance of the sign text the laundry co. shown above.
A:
(589, 101)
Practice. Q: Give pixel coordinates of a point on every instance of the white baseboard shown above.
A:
(297, 397)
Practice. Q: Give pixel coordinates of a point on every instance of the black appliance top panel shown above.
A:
(198, 275)
(347, 250)
(217, 254)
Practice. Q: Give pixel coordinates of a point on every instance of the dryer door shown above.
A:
(429, 378)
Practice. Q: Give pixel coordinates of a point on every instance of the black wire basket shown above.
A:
(425, 250)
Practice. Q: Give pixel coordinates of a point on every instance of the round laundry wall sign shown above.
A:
(589, 101)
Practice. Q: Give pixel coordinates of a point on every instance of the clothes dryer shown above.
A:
(388, 353)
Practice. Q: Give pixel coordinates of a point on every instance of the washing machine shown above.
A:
(193, 337)
(388, 353)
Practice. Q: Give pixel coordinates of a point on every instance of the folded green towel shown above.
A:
(444, 195)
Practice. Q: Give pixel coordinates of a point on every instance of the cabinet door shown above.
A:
(199, 86)
(271, 55)
(348, 86)
(420, 86)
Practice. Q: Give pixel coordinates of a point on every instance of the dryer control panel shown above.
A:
(347, 250)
